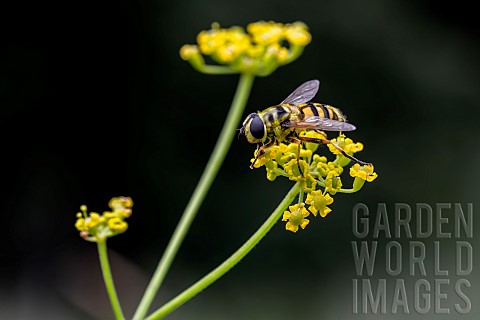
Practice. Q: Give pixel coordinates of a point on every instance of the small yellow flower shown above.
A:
(188, 51)
(297, 34)
(283, 148)
(236, 43)
(363, 172)
(318, 203)
(271, 52)
(93, 220)
(124, 213)
(290, 152)
(80, 224)
(117, 225)
(346, 144)
(309, 184)
(209, 41)
(120, 203)
(269, 154)
(296, 217)
(312, 134)
(282, 55)
(255, 51)
(305, 153)
(292, 169)
(266, 33)
(333, 183)
(272, 171)
(324, 168)
(317, 159)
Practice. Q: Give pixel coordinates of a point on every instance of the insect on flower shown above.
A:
(296, 114)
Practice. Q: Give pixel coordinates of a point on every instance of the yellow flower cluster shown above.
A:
(94, 226)
(319, 178)
(263, 48)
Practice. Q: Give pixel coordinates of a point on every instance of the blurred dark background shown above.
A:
(95, 103)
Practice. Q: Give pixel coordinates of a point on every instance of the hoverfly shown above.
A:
(285, 121)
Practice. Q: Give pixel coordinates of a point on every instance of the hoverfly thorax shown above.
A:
(254, 128)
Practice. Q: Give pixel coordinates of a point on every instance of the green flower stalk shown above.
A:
(230, 262)
(97, 228)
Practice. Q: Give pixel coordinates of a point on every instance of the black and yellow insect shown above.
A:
(285, 121)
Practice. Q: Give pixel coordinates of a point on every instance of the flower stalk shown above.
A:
(230, 262)
(108, 279)
(216, 159)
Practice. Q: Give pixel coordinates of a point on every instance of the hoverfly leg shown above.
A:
(326, 141)
(299, 143)
(257, 154)
(261, 151)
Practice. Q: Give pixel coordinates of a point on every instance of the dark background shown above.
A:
(95, 103)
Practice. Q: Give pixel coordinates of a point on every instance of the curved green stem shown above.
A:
(347, 190)
(357, 185)
(216, 159)
(212, 69)
(198, 63)
(107, 277)
(230, 262)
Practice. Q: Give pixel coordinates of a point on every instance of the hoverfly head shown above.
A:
(254, 128)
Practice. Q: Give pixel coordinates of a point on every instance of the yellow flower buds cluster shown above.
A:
(260, 50)
(319, 178)
(94, 226)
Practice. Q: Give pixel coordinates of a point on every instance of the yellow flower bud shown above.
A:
(188, 51)
(297, 34)
(117, 225)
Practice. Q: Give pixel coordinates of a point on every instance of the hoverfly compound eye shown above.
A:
(257, 127)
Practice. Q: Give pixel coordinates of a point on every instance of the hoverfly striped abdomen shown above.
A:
(310, 109)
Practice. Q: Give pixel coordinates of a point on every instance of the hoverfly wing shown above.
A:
(304, 93)
(320, 123)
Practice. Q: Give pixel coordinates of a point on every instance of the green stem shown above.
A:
(300, 196)
(230, 262)
(211, 69)
(107, 277)
(216, 159)
(198, 63)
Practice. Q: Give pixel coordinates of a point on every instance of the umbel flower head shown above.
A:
(259, 50)
(319, 178)
(94, 226)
